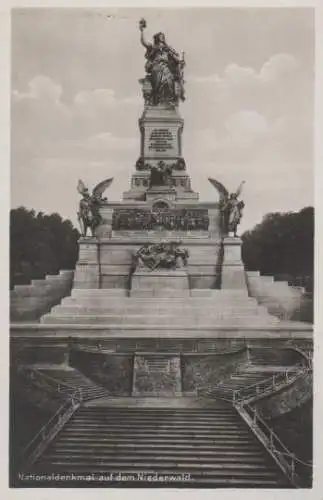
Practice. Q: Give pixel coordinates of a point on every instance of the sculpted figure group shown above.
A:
(160, 255)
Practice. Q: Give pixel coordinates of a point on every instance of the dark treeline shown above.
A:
(40, 244)
(283, 244)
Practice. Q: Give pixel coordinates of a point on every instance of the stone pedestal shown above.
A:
(157, 375)
(161, 129)
(160, 283)
(87, 271)
(233, 273)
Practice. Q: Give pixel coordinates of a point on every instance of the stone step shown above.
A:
(241, 469)
(146, 420)
(164, 292)
(160, 406)
(164, 455)
(162, 320)
(174, 441)
(210, 444)
(153, 301)
(154, 461)
(107, 292)
(163, 449)
(201, 480)
(156, 310)
(160, 426)
(194, 292)
(162, 305)
(170, 434)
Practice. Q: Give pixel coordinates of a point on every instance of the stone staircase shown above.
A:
(29, 302)
(203, 308)
(207, 446)
(274, 357)
(279, 297)
(71, 381)
(237, 380)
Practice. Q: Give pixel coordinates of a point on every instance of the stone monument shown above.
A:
(160, 264)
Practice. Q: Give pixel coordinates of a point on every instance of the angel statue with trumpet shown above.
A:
(230, 206)
(89, 214)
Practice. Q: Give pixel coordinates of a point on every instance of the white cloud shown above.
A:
(40, 87)
(44, 126)
(246, 127)
(278, 67)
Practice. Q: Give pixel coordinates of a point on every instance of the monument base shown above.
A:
(160, 283)
(233, 276)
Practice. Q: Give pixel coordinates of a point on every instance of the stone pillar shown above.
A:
(87, 271)
(214, 222)
(233, 272)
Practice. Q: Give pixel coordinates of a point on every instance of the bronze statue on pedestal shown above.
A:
(89, 214)
(164, 82)
(230, 206)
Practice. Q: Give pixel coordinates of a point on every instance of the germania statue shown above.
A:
(164, 82)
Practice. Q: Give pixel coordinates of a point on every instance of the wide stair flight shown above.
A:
(211, 445)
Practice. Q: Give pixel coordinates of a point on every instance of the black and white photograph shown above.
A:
(161, 248)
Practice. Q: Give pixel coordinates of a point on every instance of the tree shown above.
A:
(40, 244)
(282, 244)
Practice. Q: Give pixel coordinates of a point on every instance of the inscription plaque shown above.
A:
(161, 140)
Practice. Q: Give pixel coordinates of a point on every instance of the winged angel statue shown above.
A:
(231, 207)
(89, 214)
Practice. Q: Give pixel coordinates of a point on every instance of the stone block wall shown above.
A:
(107, 263)
(114, 372)
(30, 302)
(287, 399)
(202, 372)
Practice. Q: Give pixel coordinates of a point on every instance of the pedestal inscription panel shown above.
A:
(161, 141)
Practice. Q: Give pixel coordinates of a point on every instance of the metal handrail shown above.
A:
(275, 382)
(44, 376)
(284, 457)
(72, 403)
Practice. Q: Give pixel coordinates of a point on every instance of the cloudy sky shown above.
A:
(248, 115)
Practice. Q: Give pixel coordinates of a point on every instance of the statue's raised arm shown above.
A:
(142, 26)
